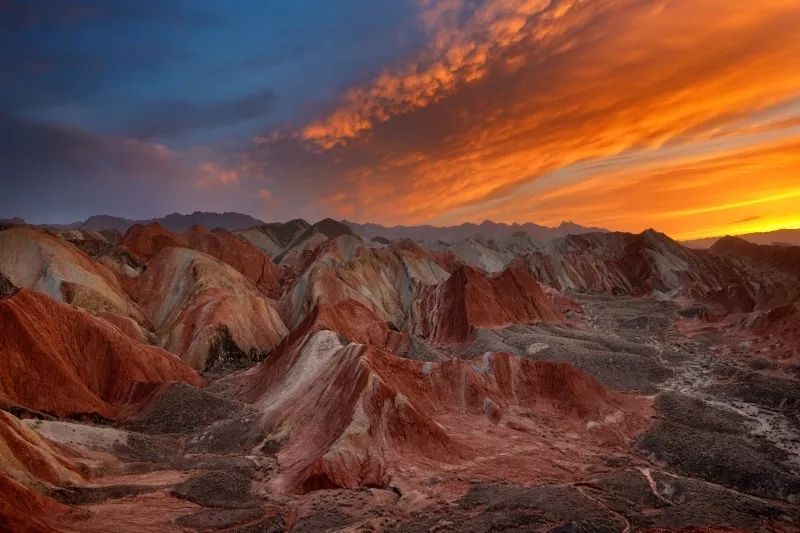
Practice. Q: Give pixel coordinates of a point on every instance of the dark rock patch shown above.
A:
(676, 502)
(696, 413)
(721, 458)
(219, 518)
(92, 495)
(233, 435)
(228, 489)
(272, 524)
(183, 409)
(558, 503)
(764, 390)
(327, 519)
(6, 287)
(224, 355)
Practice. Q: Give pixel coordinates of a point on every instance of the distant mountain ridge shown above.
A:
(789, 237)
(173, 221)
(234, 221)
(486, 229)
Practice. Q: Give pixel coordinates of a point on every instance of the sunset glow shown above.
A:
(626, 114)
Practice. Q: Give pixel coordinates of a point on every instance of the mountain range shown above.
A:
(298, 376)
(785, 237)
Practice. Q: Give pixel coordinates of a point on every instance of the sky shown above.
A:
(681, 115)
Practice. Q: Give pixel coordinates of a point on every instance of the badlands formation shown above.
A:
(299, 377)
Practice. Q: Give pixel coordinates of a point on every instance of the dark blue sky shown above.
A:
(184, 72)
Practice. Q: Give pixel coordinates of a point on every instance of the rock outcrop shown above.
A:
(86, 366)
(449, 313)
(195, 301)
(351, 415)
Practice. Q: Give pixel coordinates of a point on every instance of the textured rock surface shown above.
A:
(352, 415)
(189, 294)
(146, 241)
(414, 392)
(450, 312)
(45, 263)
(61, 360)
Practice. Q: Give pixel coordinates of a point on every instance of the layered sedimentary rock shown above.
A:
(145, 241)
(31, 460)
(386, 280)
(625, 263)
(776, 316)
(273, 238)
(782, 259)
(252, 262)
(352, 415)
(196, 302)
(61, 360)
(45, 263)
(449, 313)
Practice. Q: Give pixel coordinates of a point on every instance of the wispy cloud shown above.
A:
(506, 93)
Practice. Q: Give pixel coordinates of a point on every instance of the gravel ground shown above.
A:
(184, 409)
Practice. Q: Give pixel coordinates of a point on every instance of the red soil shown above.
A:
(449, 312)
(86, 365)
(27, 462)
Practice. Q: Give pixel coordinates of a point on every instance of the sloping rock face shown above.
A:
(449, 313)
(31, 460)
(479, 255)
(273, 238)
(47, 264)
(246, 258)
(85, 365)
(386, 280)
(354, 415)
(22, 509)
(194, 299)
(350, 319)
(776, 320)
(624, 263)
(144, 242)
(305, 242)
(783, 259)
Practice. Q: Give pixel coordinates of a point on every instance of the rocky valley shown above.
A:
(311, 377)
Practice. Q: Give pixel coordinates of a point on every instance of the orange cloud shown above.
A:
(507, 100)
(212, 173)
(264, 194)
(458, 53)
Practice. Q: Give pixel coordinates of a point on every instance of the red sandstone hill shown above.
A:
(28, 465)
(386, 280)
(625, 263)
(143, 242)
(783, 259)
(352, 415)
(448, 313)
(24, 510)
(197, 302)
(43, 262)
(85, 365)
(251, 261)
